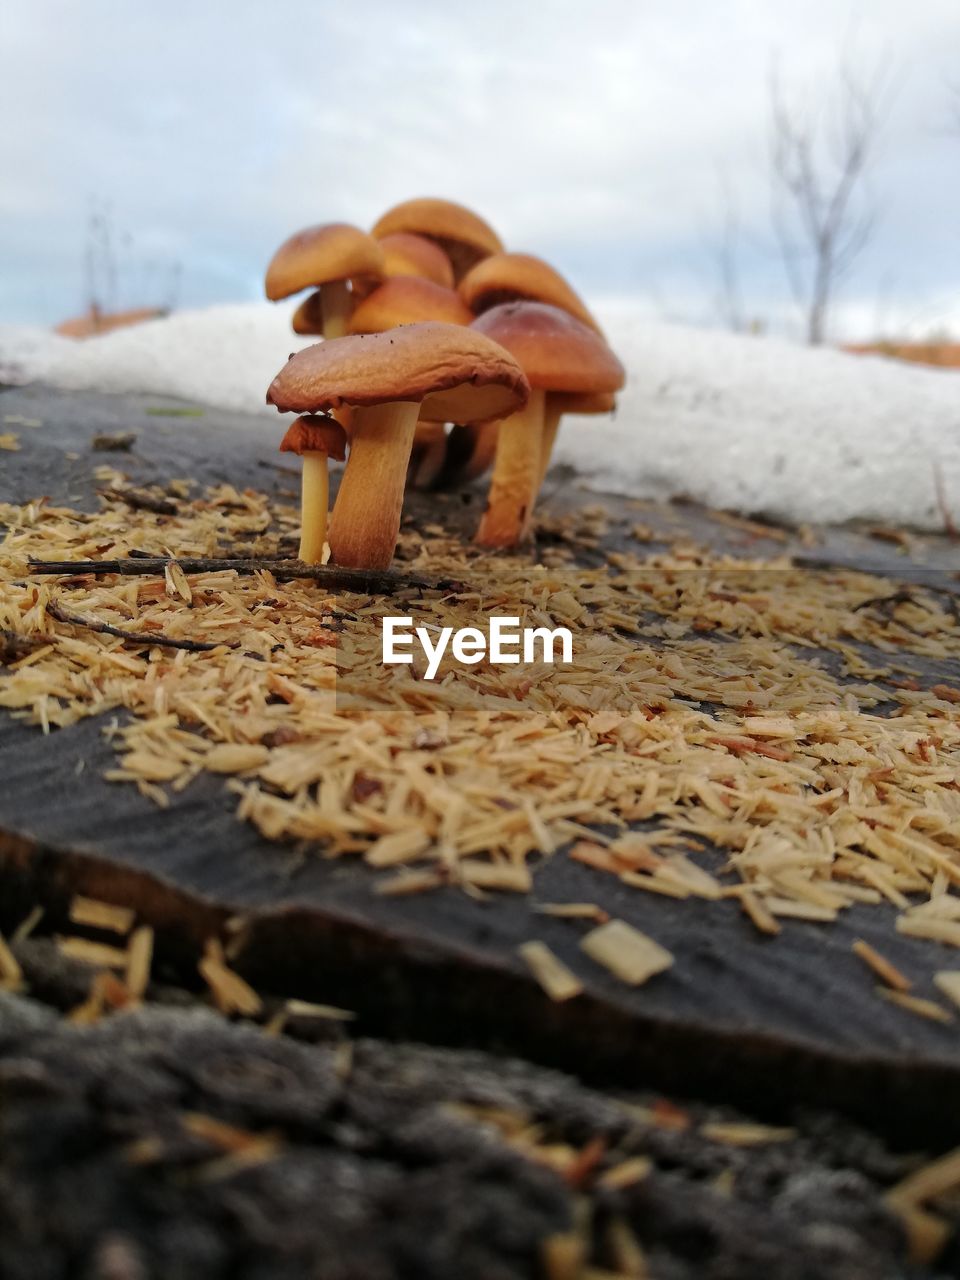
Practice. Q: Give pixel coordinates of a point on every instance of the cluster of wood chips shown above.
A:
(698, 698)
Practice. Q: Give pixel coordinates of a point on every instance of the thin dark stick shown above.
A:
(134, 637)
(362, 581)
(141, 500)
(14, 646)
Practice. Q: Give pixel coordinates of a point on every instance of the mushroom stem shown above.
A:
(366, 514)
(314, 500)
(552, 414)
(484, 450)
(516, 470)
(551, 423)
(336, 304)
(427, 455)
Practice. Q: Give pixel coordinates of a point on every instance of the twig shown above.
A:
(134, 637)
(883, 604)
(14, 646)
(141, 500)
(362, 581)
(886, 604)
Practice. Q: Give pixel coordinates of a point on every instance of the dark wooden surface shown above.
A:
(765, 1022)
(383, 1162)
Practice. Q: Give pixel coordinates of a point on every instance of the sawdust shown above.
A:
(697, 699)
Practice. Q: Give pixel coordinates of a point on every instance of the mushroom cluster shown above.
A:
(443, 355)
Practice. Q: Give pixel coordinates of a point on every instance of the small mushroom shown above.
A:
(450, 372)
(558, 354)
(505, 277)
(427, 455)
(408, 300)
(407, 254)
(315, 439)
(326, 258)
(520, 277)
(463, 235)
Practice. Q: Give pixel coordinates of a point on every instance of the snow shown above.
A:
(751, 424)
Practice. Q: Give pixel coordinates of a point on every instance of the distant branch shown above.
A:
(818, 163)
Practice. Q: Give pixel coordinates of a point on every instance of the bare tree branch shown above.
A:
(819, 159)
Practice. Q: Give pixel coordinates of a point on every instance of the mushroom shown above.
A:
(428, 454)
(315, 439)
(327, 257)
(463, 235)
(520, 277)
(504, 277)
(450, 372)
(407, 254)
(407, 300)
(558, 354)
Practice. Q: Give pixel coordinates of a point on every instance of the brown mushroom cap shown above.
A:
(407, 300)
(320, 255)
(586, 402)
(462, 234)
(407, 254)
(307, 320)
(510, 277)
(457, 374)
(555, 350)
(311, 434)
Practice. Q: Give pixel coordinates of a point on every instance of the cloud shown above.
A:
(592, 133)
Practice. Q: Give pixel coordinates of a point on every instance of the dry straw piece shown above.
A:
(559, 982)
(101, 915)
(11, 975)
(698, 700)
(629, 954)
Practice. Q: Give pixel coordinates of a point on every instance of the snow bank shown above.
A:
(752, 424)
(224, 356)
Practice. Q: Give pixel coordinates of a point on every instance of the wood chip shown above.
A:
(563, 1256)
(101, 915)
(559, 982)
(230, 992)
(413, 881)
(399, 847)
(307, 1009)
(736, 1134)
(229, 757)
(948, 981)
(573, 911)
(884, 970)
(930, 928)
(795, 910)
(928, 1009)
(495, 875)
(11, 975)
(627, 1173)
(97, 954)
(764, 920)
(927, 1183)
(225, 1137)
(626, 1252)
(629, 954)
(176, 582)
(139, 961)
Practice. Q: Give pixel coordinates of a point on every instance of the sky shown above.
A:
(616, 138)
